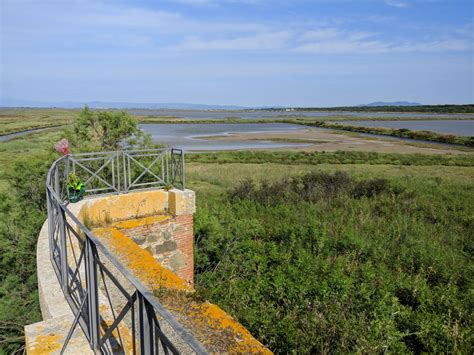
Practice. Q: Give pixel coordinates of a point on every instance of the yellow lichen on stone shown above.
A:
(126, 206)
(133, 223)
(45, 344)
(140, 262)
(209, 322)
(211, 319)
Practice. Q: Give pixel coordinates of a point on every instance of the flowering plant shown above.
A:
(62, 146)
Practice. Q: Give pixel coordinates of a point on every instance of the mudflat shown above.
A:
(318, 139)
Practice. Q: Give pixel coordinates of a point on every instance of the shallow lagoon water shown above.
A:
(456, 127)
(7, 137)
(260, 114)
(189, 136)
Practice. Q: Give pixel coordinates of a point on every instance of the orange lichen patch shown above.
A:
(146, 221)
(45, 344)
(220, 320)
(140, 262)
(213, 327)
(216, 329)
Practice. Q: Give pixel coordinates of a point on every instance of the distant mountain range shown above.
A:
(116, 105)
(394, 103)
(8, 102)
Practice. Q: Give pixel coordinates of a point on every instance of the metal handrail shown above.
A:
(82, 295)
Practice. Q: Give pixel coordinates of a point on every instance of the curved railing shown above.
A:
(89, 274)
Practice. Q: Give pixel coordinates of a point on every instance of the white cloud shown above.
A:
(341, 46)
(261, 41)
(398, 3)
(216, 2)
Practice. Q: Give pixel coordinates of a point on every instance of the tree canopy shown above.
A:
(108, 129)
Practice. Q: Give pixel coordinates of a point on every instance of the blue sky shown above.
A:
(248, 52)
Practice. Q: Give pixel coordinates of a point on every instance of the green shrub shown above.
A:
(326, 263)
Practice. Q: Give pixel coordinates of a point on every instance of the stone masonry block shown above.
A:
(182, 202)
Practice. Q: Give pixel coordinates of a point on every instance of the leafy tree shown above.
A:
(109, 130)
(22, 212)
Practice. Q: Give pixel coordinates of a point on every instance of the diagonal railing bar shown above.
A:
(165, 343)
(147, 170)
(74, 324)
(76, 272)
(114, 280)
(115, 323)
(78, 263)
(104, 165)
(92, 173)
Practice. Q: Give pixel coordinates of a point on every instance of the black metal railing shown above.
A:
(115, 311)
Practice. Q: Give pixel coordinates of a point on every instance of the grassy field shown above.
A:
(354, 258)
(16, 120)
(30, 147)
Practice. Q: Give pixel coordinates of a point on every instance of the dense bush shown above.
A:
(309, 188)
(328, 263)
(419, 108)
(339, 157)
(23, 211)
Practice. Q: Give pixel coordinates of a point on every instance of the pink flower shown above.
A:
(62, 146)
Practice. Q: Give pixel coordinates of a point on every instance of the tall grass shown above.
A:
(339, 157)
(326, 262)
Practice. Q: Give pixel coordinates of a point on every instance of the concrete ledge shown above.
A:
(48, 337)
(52, 301)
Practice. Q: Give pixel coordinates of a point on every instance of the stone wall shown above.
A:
(168, 238)
(159, 221)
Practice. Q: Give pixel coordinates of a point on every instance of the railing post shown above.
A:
(124, 173)
(117, 155)
(56, 181)
(182, 169)
(168, 153)
(68, 163)
(63, 249)
(93, 295)
(145, 326)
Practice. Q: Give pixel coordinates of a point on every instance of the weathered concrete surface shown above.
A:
(52, 301)
(47, 337)
(182, 202)
(99, 211)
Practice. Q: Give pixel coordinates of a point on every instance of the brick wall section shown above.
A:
(184, 237)
(170, 241)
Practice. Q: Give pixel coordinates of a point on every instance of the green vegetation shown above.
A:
(16, 120)
(402, 132)
(339, 157)
(374, 259)
(31, 147)
(107, 130)
(421, 108)
(23, 211)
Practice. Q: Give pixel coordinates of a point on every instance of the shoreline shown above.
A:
(324, 139)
